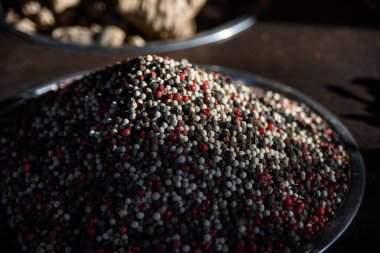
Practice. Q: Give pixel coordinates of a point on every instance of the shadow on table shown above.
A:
(372, 107)
(357, 13)
(370, 156)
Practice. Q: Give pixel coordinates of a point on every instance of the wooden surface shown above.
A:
(334, 61)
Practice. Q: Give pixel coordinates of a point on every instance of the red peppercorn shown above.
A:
(168, 214)
(141, 192)
(91, 230)
(17, 209)
(301, 205)
(158, 183)
(324, 182)
(258, 220)
(93, 220)
(102, 110)
(182, 75)
(310, 176)
(142, 135)
(123, 230)
(136, 248)
(269, 247)
(314, 219)
(109, 202)
(174, 138)
(238, 112)
(278, 244)
(206, 203)
(218, 180)
(206, 112)
(176, 244)
(126, 132)
(293, 227)
(26, 167)
(271, 127)
(262, 130)
(185, 167)
(158, 94)
(320, 211)
(205, 85)
(192, 88)
(288, 201)
(53, 234)
(59, 154)
(308, 230)
(178, 97)
(149, 183)
(185, 98)
(196, 172)
(206, 247)
(153, 74)
(38, 195)
(238, 118)
(203, 147)
(213, 233)
(29, 236)
(240, 245)
(328, 131)
(142, 208)
(316, 227)
(307, 158)
(332, 187)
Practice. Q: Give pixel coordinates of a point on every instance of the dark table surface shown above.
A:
(329, 51)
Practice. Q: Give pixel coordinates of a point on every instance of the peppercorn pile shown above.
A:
(155, 155)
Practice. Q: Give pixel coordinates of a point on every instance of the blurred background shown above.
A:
(329, 50)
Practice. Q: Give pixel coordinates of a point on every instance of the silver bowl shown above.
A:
(219, 33)
(351, 202)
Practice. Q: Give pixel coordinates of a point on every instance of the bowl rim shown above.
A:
(353, 198)
(224, 31)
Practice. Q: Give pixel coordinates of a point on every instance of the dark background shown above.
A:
(329, 50)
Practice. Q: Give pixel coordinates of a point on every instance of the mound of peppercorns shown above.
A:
(156, 155)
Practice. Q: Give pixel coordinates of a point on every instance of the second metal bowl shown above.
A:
(218, 33)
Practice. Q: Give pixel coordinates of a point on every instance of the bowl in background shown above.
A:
(209, 31)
